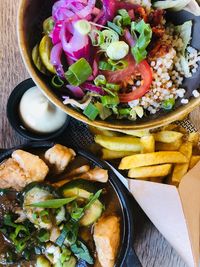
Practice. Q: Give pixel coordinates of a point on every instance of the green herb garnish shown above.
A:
(53, 203)
(145, 34)
(91, 112)
(78, 72)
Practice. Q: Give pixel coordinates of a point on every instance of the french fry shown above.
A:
(174, 146)
(110, 154)
(167, 136)
(123, 143)
(155, 158)
(148, 144)
(193, 161)
(101, 131)
(193, 138)
(139, 133)
(150, 171)
(181, 169)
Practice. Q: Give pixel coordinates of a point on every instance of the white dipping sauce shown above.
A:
(39, 114)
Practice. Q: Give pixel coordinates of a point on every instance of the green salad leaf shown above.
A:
(175, 5)
(185, 33)
(193, 7)
(81, 252)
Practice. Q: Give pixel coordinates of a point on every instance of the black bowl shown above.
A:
(14, 118)
(126, 256)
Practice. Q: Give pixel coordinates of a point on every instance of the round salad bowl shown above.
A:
(32, 13)
(126, 256)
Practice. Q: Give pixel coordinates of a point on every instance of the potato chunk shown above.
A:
(107, 238)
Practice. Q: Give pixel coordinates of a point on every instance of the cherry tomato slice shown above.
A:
(127, 74)
(146, 74)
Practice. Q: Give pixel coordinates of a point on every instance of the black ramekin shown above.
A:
(15, 120)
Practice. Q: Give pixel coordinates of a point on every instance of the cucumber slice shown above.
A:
(84, 189)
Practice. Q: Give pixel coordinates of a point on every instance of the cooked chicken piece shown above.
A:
(13, 176)
(73, 175)
(107, 238)
(97, 174)
(79, 170)
(33, 167)
(59, 156)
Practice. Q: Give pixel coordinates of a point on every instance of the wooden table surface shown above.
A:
(152, 249)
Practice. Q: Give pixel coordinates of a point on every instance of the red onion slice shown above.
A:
(76, 91)
(93, 88)
(87, 10)
(56, 54)
(129, 38)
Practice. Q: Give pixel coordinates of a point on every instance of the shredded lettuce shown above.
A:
(185, 32)
(191, 6)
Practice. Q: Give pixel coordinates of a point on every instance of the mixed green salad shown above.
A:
(113, 58)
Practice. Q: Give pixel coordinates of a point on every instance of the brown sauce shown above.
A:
(8, 203)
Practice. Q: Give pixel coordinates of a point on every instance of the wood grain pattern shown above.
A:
(152, 249)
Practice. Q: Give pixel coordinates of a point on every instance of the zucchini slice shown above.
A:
(33, 193)
(92, 214)
(83, 189)
(80, 188)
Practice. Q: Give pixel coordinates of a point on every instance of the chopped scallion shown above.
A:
(60, 240)
(118, 20)
(109, 91)
(168, 104)
(109, 36)
(125, 17)
(103, 65)
(57, 82)
(124, 111)
(53, 203)
(119, 65)
(91, 112)
(96, 37)
(78, 72)
(100, 80)
(145, 34)
(113, 86)
(83, 26)
(109, 101)
(116, 28)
